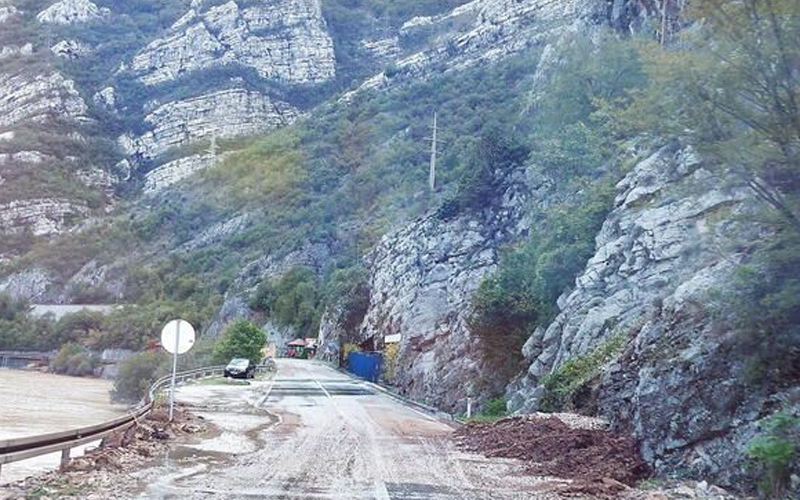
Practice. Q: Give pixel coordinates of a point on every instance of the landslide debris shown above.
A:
(597, 461)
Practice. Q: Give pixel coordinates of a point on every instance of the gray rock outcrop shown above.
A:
(24, 97)
(285, 40)
(7, 11)
(494, 29)
(422, 278)
(672, 238)
(40, 216)
(315, 256)
(227, 113)
(10, 51)
(175, 171)
(71, 49)
(72, 12)
(31, 284)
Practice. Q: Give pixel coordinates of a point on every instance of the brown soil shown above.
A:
(598, 461)
(140, 442)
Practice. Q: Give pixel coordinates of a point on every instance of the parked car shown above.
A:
(240, 368)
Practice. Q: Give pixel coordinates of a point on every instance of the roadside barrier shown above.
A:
(16, 449)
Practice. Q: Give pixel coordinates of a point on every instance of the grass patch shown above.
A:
(563, 383)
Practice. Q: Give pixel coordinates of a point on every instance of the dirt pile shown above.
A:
(598, 460)
(140, 442)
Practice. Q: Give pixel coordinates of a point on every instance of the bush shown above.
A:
(347, 290)
(495, 407)
(497, 153)
(137, 373)
(562, 384)
(75, 360)
(243, 339)
(293, 301)
(390, 357)
(772, 455)
(522, 293)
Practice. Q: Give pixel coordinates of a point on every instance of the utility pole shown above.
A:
(434, 139)
(212, 148)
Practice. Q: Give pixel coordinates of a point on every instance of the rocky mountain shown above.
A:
(193, 163)
(672, 238)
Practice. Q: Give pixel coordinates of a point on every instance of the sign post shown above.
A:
(177, 337)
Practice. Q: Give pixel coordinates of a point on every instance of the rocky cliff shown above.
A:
(228, 113)
(285, 40)
(421, 280)
(672, 240)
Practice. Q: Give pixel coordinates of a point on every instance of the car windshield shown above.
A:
(239, 363)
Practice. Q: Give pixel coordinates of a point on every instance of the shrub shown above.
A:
(773, 453)
(522, 293)
(390, 356)
(495, 407)
(348, 290)
(561, 385)
(243, 339)
(75, 360)
(137, 373)
(294, 300)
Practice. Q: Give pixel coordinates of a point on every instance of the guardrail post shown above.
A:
(64, 459)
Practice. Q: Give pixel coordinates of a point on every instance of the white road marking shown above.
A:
(266, 396)
(381, 493)
(323, 388)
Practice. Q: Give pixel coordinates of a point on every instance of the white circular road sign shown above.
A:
(177, 337)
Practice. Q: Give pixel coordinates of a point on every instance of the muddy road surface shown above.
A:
(311, 432)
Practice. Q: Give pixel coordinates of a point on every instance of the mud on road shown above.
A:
(311, 432)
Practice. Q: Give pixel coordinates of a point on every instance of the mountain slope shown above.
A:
(218, 163)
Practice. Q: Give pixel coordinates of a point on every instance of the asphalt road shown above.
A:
(314, 433)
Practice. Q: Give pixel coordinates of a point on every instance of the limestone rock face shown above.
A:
(107, 98)
(24, 97)
(175, 171)
(422, 277)
(228, 113)
(71, 49)
(28, 157)
(31, 284)
(285, 40)
(672, 237)
(40, 217)
(7, 11)
(16, 50)
(494, 29)
(72, 12)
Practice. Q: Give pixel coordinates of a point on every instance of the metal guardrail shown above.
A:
(16, 449)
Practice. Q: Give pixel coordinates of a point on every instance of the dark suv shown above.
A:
(240, 368)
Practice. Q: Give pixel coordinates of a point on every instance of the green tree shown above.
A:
(773, 452)
(732, 86)
(73, 359)
(243, 339)
(137, 373)
(294, 300)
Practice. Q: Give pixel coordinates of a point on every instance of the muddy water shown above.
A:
(36, 403)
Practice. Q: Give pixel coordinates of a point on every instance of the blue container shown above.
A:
(366, 365)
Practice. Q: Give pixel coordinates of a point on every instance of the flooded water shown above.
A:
(37, 403)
